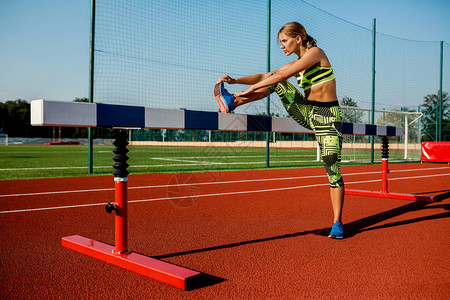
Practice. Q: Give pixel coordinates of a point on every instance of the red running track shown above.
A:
(256, 234)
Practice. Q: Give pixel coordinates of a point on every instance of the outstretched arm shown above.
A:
(251, 79)
(312, 57)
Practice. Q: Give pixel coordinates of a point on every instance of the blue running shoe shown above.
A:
(337, 231)
(224, 98)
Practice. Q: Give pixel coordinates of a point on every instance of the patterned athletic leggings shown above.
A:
(324, 118)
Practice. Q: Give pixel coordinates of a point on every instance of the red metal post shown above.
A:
(384, 178)
(121, 219)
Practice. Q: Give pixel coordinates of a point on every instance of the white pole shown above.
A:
(318, 152)
(406, 136)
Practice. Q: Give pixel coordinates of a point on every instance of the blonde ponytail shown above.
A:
(294, 29)
(310, 41)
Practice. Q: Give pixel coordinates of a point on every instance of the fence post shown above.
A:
(420, 127)
(406, 136)
(91, 88)
(268, 70)
(439, 114)
(374, 34)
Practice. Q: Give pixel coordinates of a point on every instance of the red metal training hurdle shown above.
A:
(384, 181)
(121, 256)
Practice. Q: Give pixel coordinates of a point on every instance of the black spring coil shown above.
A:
(120, 157)
(384, 147)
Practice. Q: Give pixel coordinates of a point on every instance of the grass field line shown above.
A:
(42, 168)
(182, 160)
(226, 163)
(196, 163)
(40, 152)
(214, 182)
(212, 195)
(263, 162)
(237, 156)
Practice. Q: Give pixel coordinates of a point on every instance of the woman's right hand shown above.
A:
(225, 78)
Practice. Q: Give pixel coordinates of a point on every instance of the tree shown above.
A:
(81, 100)
(347, 101)
(394, 118)
(351, 115)
(15, 120)
(430, 118)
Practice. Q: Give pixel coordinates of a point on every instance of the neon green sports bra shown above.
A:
(314, 76)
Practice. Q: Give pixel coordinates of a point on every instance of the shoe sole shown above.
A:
(336, 237)
(222, 103)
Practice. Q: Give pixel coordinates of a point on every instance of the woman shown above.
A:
(319, 110)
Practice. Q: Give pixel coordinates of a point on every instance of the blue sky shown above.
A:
(44, 49)
(409, 19)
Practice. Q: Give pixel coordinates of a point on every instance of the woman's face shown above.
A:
(289, 44)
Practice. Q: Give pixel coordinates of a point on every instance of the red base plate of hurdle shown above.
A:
(177, 276)
(389, 195)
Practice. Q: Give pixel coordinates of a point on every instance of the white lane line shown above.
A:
(166, 198)
(212, 195)
(51, 208)
(209, 183)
